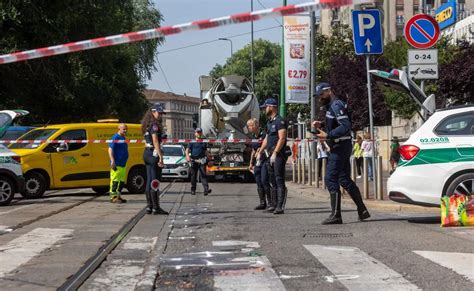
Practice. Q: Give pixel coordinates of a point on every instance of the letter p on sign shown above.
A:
(366, 21)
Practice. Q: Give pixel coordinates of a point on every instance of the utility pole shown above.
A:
(282, 71)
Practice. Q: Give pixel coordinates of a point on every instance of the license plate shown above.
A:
(166, 171)
(232, 164)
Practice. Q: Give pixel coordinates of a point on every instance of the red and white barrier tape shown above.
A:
(165, 141)
(169, 30)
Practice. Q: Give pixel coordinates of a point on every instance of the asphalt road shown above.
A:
(219, 242)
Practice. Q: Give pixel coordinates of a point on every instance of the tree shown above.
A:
(83, 86)
(456, 82)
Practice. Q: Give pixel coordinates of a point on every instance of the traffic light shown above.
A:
(195, 120)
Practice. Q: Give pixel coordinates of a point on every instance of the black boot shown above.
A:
(273, 200)
(155, 199)
(335, 217)
(281, 201)
(354, 192)
(261, 195)
(149, 206)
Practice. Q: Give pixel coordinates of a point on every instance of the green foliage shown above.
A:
(266, 64)
(83, 86)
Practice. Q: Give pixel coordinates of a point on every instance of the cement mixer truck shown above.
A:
(226, 105)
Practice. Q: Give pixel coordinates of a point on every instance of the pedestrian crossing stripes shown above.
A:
(460, 263)
(356, 270)
(22, 249)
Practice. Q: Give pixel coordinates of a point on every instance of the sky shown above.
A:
(179, 68)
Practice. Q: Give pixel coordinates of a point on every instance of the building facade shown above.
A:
(179, 109)
(395, 13)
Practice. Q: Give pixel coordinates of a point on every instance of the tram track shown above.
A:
(93, 263)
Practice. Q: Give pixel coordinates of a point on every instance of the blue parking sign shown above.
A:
(367, 32)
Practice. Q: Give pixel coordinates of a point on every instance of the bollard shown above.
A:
(293, 171)
(323, 173)
(316, 172)
(303, 175)
(298, 171)
(365, 178)
(310, 173)
(379, 178)
(353, 169)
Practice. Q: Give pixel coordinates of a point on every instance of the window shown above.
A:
(458, 124)
(38, 134)
(73, 134)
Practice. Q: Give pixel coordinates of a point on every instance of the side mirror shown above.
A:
(63, 147)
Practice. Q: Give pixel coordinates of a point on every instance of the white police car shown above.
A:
(11, 175)
(176, 166)
(437, 160)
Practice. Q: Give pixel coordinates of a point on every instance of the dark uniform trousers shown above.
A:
(338, 172)
(276, 172)
(152, 172)
(198, 168)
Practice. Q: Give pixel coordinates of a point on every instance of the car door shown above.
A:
(71, 162)
(459, 130)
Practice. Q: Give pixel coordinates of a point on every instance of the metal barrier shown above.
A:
(303, 171)
(323, 173)
(310, 173)
(316, 172)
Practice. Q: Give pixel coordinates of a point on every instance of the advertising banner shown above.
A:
(297, 58)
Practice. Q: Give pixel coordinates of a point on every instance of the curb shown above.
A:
(384, 205)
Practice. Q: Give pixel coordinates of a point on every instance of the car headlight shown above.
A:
(186, 165)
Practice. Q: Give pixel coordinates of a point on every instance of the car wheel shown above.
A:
(136, 181)
(463, 185)
(100, 190)
(35, 185)
(7, 190)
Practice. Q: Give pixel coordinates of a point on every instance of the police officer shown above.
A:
(153, 157)
(273, 147)
(338, 136)
(256, 164)
(196, 154)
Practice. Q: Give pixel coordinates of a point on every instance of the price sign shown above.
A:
(297, 74)
(423, 56)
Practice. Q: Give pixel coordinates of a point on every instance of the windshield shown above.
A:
(173, 151)
(38, 134)
(5, 120)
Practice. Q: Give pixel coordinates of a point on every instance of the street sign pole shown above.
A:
(313, 79)
(282, 73)
(371, 120)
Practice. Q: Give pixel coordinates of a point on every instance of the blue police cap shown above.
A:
(321, 87)
(198, 129)
(269, 102)
(157, 107)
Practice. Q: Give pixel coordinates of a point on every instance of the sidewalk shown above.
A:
(381, 205)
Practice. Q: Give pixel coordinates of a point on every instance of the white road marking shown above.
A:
(260, 277)
(22, 249)
(358, 271)
(17, 208)
(228, 243)
(461, 263)
(123, 274)
(4, 228)
(140, 243)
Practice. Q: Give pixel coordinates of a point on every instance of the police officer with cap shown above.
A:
(273, 147)
(338, 136)
(196, 154)
(153, 157)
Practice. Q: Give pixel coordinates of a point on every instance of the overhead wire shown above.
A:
(164, 74)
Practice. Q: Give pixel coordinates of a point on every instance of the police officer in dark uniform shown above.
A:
(273, 147)
(153, 157)
(257, 164)
(196, 154)
(338, 136)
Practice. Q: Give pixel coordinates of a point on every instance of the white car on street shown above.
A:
(437, 160)
(11, 175)
(176, 166)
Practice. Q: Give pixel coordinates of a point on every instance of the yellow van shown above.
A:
(76, 165)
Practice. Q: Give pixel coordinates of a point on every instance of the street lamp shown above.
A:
(231, 46)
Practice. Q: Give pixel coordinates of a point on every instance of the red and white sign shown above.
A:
(422, 31)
